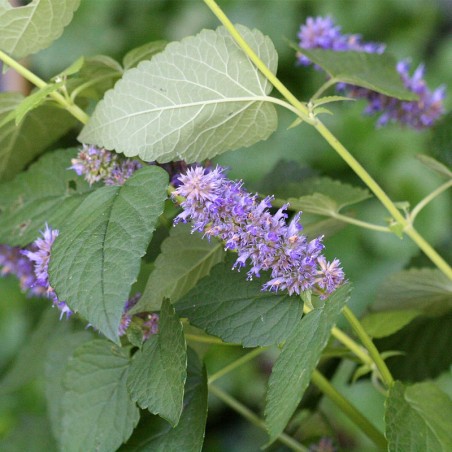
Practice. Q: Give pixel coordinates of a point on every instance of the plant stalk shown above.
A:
(255, 420)
(72, 108)
(350, 410)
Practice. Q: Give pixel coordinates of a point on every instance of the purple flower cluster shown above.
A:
(322, 33)
(13, 262)
(39, 255)
(102, 165)
(221, 208)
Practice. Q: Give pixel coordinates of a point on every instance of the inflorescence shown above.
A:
(220, 207)
(31, 266)
(322, 33)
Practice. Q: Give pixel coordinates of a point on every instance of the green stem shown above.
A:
(303, 111)
(384, 199)
(428, 199)
(348, 409)
(207, 340)
(353, 346)
(332, 140)
(237, 363)
(72, 108)
(367, 342)
(323, 88)
(255, 420)
(361, 224)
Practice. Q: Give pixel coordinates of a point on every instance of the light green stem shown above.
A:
(207, 340)
(367, 342)
(72, 108)
(237, 363)
(428, 199)
(348, 409)
(255, 420)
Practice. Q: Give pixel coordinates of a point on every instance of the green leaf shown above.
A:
(156, 435)
(441, 140)
(158, 371)
(56, 362)
(426, 289)
(97, 256)
(21, 144)
(144, 52)
(434, 165)
(184, 260)
(226, 305)
(71, 69)
(327, 196)
(422, 343)
(369, 70)
(96, 401)
(27, 29)
(46, 193)
(29, 363)
(98, 74)
(299, 357)
(418, 418)
(198, 98)
(381, 324)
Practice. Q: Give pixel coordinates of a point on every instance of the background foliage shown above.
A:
(420, 29)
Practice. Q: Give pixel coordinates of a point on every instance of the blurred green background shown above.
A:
(417, 29)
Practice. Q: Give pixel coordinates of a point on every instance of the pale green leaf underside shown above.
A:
(226, 305)
(96, 401)
(144, 52)
(376, 72)
(20, 144)
(198, 98)
(292, 370)
(426, 290)
(158, 371)
(97, 256)
(46, 193)
(184, 260)
(418, 418)
(27, 29)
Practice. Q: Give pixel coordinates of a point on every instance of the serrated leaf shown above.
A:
(328, 196)
(96, 401)
(427, 290)
(299, 357)
(97, 256)
(184, 260)
(226, 305)
(381, 324)
(418, 418)
(27, 29)
(29, 363)
(198, 98)
(46, 193)
(441, 139)
(376, 72)
(19, 145)
(158, 371)
(434, 165)
(422, 343)
(56, 362)
(144, 52)
(156, 435)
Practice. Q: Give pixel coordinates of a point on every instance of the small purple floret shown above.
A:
(219, 207)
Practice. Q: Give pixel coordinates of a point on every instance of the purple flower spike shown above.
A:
(221, 208)
(39, 255)
(323, 33)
